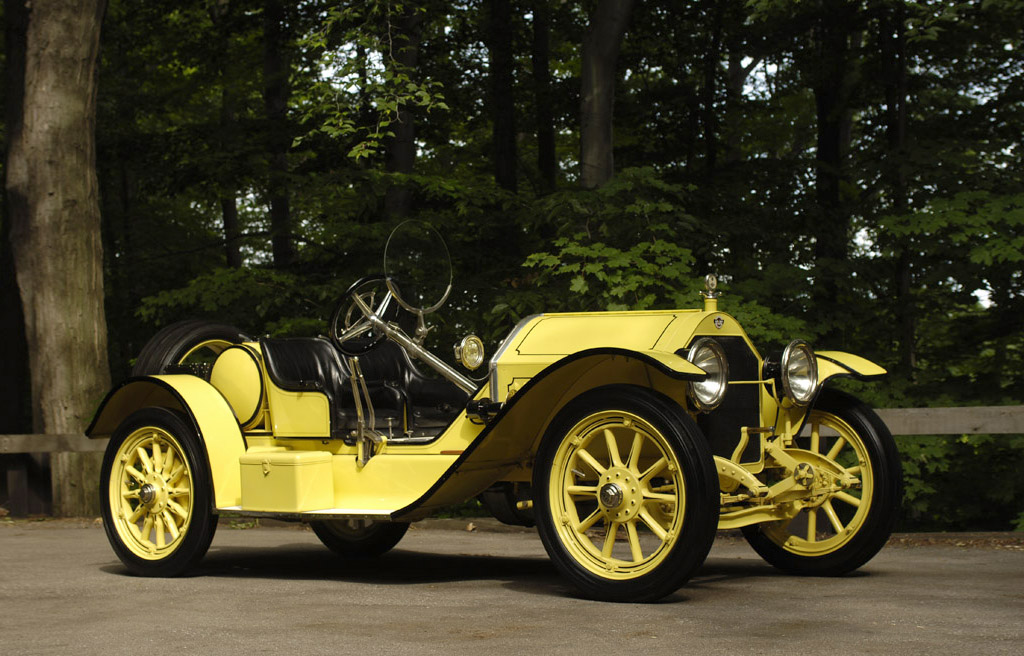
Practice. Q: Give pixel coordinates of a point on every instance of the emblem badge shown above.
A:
(719, 322)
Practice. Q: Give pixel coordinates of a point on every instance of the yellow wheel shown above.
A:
(626, 497)
(155, 494)
(838, 532)
(359, 538)
(193, 342)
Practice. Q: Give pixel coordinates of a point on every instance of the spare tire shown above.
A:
(192, 341)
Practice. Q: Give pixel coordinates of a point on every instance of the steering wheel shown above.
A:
(351, 329)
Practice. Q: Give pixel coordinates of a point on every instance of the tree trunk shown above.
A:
(712, 57)
(502, 97)
(547, 163)
(53, 200)
(275, 101)
(227, 188)
(600, 55)
(832, 86)
(894, 53)
(401, 148)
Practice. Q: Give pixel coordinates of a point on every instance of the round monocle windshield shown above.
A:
(417, 266)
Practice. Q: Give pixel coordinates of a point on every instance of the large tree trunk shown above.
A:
(503, 104)
(53, 200)
(600, 55)
(275, 100)
(227, 188)
(833, 87)
(547, 164)
(401, 148)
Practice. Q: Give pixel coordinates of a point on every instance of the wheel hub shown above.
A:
(804, 474)
(611, 496)
(620, 494)
(147, 493)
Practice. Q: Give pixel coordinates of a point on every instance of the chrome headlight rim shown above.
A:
(801, 394)
(469, 352)
(699, 350)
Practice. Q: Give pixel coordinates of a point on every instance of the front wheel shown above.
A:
(155, 493)
(359, 538)
(838, 532)
(625, 494)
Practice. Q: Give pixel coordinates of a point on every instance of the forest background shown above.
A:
(851, 169)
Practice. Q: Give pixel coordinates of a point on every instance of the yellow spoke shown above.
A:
(655, 527)
(161, 541)
(830, 512)
(172, 527)
(585, 525)
(634, 541)
(176, 474)
(168, 461)
(613, 448)
(581, 490)
(854, 471)
(609, 539)
(135, 473)
(147, 528)
(846, 497)
(660, 498)
(812, 525)
(129, 494)
(634, 451)
(178, 491)
(177, 509)
(147, 465)
(836, 448)
(137, 515)
(158, 458)
(654, 469)
(585, 456)
(816, 438)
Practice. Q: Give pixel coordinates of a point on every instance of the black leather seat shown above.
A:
(398, 390)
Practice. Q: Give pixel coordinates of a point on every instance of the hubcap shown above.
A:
(611, 496)
(147, 493)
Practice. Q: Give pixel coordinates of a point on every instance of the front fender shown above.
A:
(832, 364)
(202, 404)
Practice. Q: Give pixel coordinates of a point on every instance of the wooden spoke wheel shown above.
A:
(155, 494)
(837, 532)
(626, 496)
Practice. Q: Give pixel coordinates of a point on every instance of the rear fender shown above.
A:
(205, 408)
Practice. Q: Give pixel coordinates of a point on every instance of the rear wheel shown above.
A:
(155, 494)
(625, 494)
(190, 342)
(359, 538)
(838, 532)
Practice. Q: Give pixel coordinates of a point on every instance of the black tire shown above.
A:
(173, 489)
(185, 341)
(865, 527)
(673, 466)
(359, 538)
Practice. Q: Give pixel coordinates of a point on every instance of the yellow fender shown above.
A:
(832, 364)
(510, 440)
(210, 414)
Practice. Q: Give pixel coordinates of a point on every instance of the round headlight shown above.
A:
(470, 352)
(708, 354)
(799, 372)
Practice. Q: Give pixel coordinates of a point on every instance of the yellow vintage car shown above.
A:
(629, 438)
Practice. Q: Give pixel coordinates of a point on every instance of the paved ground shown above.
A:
(276, 590)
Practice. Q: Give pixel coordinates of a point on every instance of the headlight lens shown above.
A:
(708, 354)
(799, 372)
(470, 352)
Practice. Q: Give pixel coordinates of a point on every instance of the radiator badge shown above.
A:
(719, 322)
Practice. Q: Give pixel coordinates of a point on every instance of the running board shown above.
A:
(329, 513)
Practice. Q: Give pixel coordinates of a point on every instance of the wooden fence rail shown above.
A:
(23, 473)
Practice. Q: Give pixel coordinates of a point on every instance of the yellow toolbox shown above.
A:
(286, 481)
